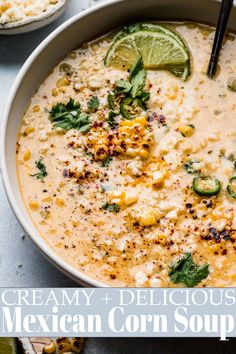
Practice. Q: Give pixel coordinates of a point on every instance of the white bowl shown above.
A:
(79, 29)
(34, 22)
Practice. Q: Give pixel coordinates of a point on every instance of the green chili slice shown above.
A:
(206, 185)
(231, 188)
(131, 107)
(126, 108)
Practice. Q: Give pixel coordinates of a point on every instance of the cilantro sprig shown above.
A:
(186, 271)
(131, 92)
(42, 169)
(69, 116)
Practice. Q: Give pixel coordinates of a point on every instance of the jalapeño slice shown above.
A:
(206, 185)
(231, 188)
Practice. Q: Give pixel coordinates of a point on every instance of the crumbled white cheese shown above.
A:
(140, 279)
(18, 10)
(135, 168)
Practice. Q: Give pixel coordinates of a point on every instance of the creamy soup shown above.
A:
(138, 198)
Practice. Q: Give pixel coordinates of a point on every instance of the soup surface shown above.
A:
(136, 194)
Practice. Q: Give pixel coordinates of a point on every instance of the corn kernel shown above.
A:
(54, 92)
(130, 198)
(4, 7)
(215, 248)
(36, 108)
(172, 92)
(63, 344)
(147, 218)
(59, 202)
(117, 194)
(62, 82)
(47, 199)
(27, 155)
(158, 178)
(186, 130)
(28, 131)
(132, 152)
(34, 205)
(144, 153)
(139, 120)
(117, 197)
(50, 349)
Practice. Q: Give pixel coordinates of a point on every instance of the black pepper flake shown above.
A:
(189, 205)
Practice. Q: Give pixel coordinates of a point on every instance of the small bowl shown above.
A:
(35, 22)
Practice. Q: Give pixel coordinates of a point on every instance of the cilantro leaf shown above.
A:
(136, 68)
(68, 116)
(42, 169)
(113, 208)
(93, 104)
(107, 161)
(187, 272)
(123, 86)
(138, 77)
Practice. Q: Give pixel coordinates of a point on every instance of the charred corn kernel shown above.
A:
(54, 92)
(186, 130)
(50, 349)
(47, 199)
(77, 344)
(27, 155)
(63, 345)
(130, 198)
(62, 82)
(34, 205)
(59, 202)
(36, 108)
(158, 178)
(139, 120)
(29, 130)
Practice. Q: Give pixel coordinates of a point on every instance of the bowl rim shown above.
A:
(34, 19)
(72, 272)
(75, 274)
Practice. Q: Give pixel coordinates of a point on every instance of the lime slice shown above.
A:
(157, 45)
(8, 346)
(153, 27)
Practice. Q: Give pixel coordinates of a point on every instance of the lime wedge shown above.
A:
(159, 47)
(8, 346)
